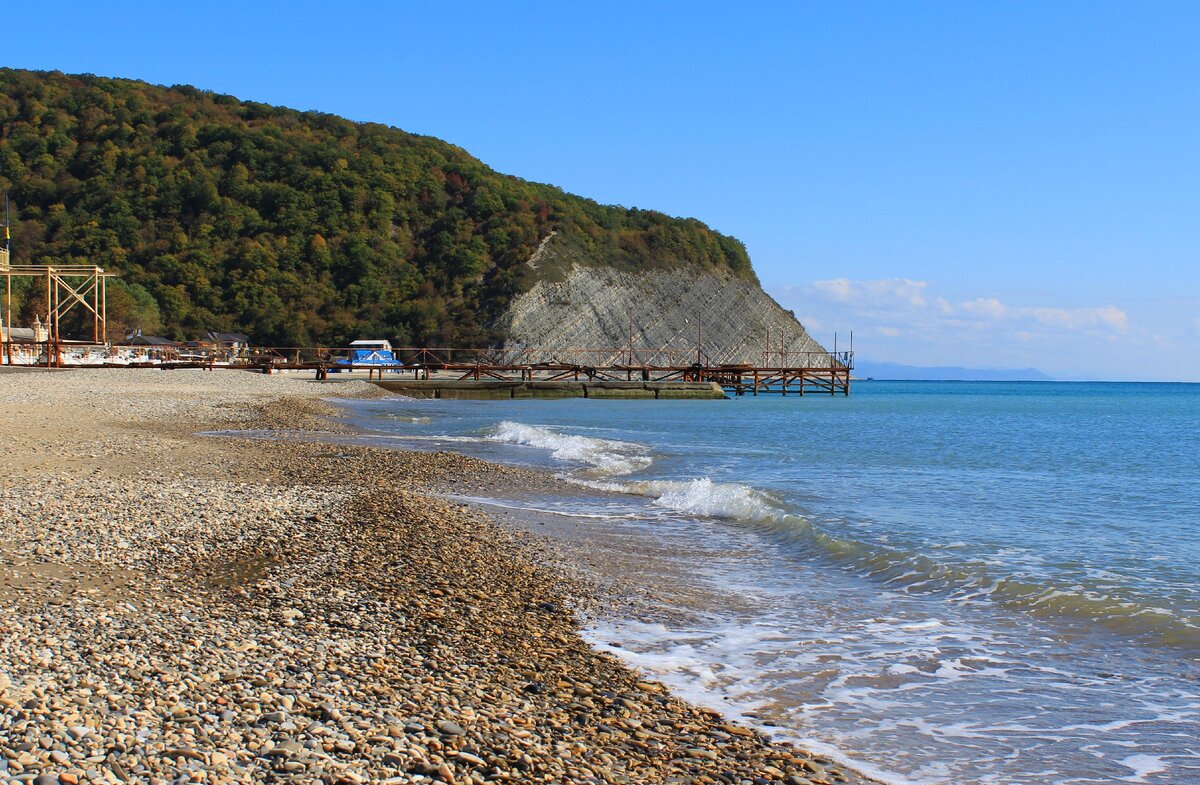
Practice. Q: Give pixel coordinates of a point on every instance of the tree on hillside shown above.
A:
(294, 227)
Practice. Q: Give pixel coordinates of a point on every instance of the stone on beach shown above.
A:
(184, 608)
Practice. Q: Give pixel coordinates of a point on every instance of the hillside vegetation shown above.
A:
(294, 227)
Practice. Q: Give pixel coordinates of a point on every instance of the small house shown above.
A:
(137, 339)
(227, 346)
(233, 342)
(370, 352)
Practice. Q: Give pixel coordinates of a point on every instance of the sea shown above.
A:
(934, 583)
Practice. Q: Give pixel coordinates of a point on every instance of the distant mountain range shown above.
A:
(864, 369)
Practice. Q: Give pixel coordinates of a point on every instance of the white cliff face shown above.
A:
(656, 313)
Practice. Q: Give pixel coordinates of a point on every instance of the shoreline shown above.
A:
(238, 610)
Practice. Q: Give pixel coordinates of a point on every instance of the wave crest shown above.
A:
(605, 457)
(710, 499)
(898, 568)
(913, 571)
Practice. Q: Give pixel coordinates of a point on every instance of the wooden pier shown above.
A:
(501, 373)
(490, 373)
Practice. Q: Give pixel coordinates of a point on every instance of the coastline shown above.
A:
(232, 609)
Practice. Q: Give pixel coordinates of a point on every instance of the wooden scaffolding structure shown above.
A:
(67, 286)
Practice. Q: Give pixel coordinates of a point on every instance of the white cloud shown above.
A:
(911, 321)
(1080, 318)
(891, 298)
(986, 307)
(880, 292)
(839, 289)
(1067, 318)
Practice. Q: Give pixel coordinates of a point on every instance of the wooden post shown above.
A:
(8, 277)
(48, 307)
(57, 335)
(95, 292)
(7, 337)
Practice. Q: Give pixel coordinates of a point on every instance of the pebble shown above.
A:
(179, 608)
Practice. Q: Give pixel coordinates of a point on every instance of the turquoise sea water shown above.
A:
(936, 582)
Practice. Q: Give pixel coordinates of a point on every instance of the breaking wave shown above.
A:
(909, 570)
(906, 570)
(701, 497)
(602, 457)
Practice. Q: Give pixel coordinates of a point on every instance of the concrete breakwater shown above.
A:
(489, 389)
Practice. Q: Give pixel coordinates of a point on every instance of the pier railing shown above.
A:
(780, 372)
(783, 372)
(662, 357)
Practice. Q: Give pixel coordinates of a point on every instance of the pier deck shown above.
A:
(737, 380)
(496, 373)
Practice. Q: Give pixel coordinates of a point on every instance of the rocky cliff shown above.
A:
(581, 309)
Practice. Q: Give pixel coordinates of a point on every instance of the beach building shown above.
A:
(137, 339)
(226, 346)
(371, 352)
(155, 348)
(23, 345)
(232, 342)
(22, 334)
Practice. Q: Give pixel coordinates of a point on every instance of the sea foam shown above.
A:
(602, 457)
(908, 570)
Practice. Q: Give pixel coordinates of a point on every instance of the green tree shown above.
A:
(294, 227)
(131, 307)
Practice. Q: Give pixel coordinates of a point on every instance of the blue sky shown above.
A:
(1005, 185)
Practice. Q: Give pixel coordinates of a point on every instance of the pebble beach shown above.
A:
(178, 607)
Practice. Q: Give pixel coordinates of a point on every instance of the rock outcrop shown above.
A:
(588, 312)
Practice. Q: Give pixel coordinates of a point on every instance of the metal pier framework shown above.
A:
(66, 287)
(782, 373)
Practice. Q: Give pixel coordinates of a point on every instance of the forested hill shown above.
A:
(295, 227)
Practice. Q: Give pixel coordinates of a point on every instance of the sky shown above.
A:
(1002, 185)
